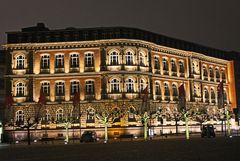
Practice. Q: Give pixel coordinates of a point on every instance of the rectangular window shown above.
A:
(59, 61)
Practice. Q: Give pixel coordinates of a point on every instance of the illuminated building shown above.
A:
(108, 65)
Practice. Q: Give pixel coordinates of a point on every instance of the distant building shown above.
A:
(110, 66)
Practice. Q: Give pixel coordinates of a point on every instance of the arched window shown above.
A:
(166, 90)
(173, 65)
(74, 87)
(45, 62)
(130, 85)
(217, 75)
(194, 91)
(59, 115)
(47, 116)
(45, 87)
(181, 67)
(141, 59)
(157, 88)
(206, 95)
(114, 58)
(211, 72)
(60, 89)
(19, 115)
(115, 86)
(174, 90)
(20, 90)
(90, 115)
(142, 85)
(89, 87)
(74, 60)
(20, 62)
(225, 96)
(223, 76)
(156, 63)
(212, 95)
(89, 60)
(165, 64)
(59, 61)
(205, 73)
(129, 58)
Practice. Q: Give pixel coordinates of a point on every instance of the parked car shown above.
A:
(88, 136)
(208, 130)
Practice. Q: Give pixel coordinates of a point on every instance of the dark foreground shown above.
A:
(195, 149)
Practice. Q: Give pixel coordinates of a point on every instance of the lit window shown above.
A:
(89, 60)
(130, 85)
(59, 61)
(211, 72)
(59, 115)
(20, 62)
(205, 73)
(156, 63)
(131, 116)
(157, 88)
(129, 58)
(74, 87)
(60, 89)
(194, 91)
(90, 115)
(165, 64)
(20, 89)
(115, 86)
(19, 116)
(45, 61)
(114, 58)
(47, 116)
(206, 95)
(74, 61)
(90, 87)
(223, 76)
(46, 88)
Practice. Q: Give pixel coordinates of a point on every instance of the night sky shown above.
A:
(212, 23)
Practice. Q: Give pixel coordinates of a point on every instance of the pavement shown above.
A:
(158, 149)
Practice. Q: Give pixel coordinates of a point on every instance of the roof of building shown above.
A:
(41, 34)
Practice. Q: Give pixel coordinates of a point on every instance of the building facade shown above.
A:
(108, 67)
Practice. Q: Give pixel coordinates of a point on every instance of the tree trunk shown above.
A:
(105, 132)
(145, 129)
(187, 129)
(176, 124)
(28, 134)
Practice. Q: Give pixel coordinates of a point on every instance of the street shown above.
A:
(174, 149)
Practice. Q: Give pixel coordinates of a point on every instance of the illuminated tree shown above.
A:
(107, 114)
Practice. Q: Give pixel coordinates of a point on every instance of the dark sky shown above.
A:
(214, 23)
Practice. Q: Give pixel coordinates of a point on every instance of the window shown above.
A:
(129, 58)
(142, 85)
(59, 115)
(181, 67)
(166, 90)
(20, 89)
(20, 62)
(157, 88)
(141, 59)
(223, 76)
(47, 116)
(212, 94)
(174, 90)
(60, 89)
(74, 87)
(59, 61)
(45, 61)
(45, 88)
(194, 91)
(74, 60)
(156, 63)
(205, 73)
(225, 96)
(131, 116)
(217, 74)
(130, 85)
(115, 86)
(173, 64)
(19, 116)
(211, 72)
(114, 58)
(206, 95)
(165, 64)
(90, 87)
(89, 60)
(90, 115)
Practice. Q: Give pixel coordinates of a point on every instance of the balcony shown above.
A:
(44, 70)
(59, 70)
(90, 97)
(89, 69)
(74, 70)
